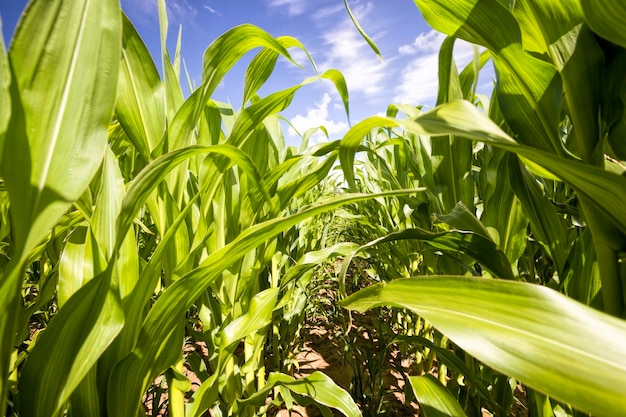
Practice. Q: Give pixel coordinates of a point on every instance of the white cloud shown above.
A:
(425, 42)
(419, 79)
(294, 7)
(326, 12)
(318, 116)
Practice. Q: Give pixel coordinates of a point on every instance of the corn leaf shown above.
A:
(74, 266)
(358, 27)
(153, 351)
(317, 386)
(262, 66)
(502, 211)
(70, 347)
(605, 189)
(455, 363)
(555, 29)
(529, 89)
(64, 60)
(547, 225)
(543, 338)
(140, 97)
(607, 18)
(171, 72)
(475, 245)
(434, 399)
(219, 57)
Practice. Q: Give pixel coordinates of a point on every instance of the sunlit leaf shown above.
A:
(545, 339)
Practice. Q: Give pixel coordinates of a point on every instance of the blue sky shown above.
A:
(408, 73)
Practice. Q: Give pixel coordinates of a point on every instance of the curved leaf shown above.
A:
(69, 348)
(320, 387)
(605, 189)
(539, 336)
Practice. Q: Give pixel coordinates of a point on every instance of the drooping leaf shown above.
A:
(605, 189)
(537, 335)
(367, 39)
(475, 245)
(317, 386)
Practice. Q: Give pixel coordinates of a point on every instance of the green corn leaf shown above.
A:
(434, 399)
(262, 66)
(258, 316)
(64, 61)
(312, 259)
(543, 338)
(581, 276)
(74, 266)
(605, 189)
(607, 18)
(358, 27)
(146, 181)
(171, 72)
(477, 246)
(453, 362)
(461, 218)
(140, 97)
(613, 106)
(555, 29)
(85, 400)
(529, 89)
(108, 205)
(547, 225)
(317, 386)
(152, 353)
(452, 157)
(219, 58)
(72, 343)
(255, 114)
(469, 76)
(449, 83)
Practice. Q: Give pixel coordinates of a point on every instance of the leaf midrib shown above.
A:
(62, 108)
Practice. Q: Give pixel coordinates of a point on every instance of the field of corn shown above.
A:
(168, 255)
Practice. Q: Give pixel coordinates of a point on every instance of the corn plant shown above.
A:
(549, 164)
